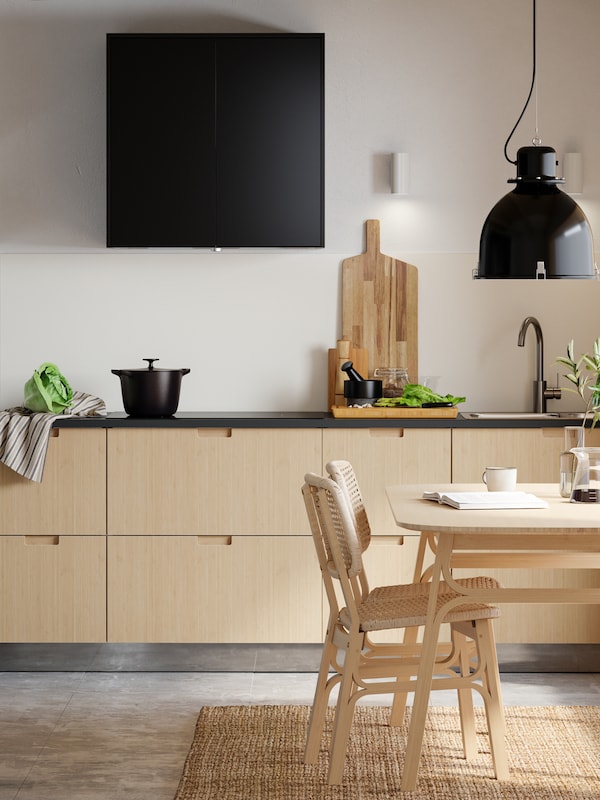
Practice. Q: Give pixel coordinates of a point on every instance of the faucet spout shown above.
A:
(540, 392)
(539, 357)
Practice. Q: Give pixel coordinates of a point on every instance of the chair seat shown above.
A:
(405, 605)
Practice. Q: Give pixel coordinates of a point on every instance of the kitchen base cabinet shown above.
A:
(386, 456)
(213, 589)
(213, 481)
(53, 544)
(71, 499)
(535, 453)
(544, 624)
(52, 588)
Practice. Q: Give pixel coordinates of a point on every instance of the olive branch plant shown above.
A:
(584, 374)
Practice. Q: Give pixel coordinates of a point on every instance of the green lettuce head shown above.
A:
(48, 390)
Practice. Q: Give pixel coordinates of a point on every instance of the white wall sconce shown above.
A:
(573, 173)
(399, 173)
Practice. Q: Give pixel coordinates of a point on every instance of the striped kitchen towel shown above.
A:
(24, 434)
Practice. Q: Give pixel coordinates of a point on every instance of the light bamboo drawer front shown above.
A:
(71, 499)
(213, 589)
(209, 480)
(52, 588)
(387, 456)
(534, 451)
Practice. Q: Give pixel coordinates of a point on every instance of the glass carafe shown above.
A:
(586, 481)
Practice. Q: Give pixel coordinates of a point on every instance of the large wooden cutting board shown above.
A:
(380, 306)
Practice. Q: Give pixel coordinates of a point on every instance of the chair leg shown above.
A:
(320, 702)
(343, 714)
(465, 696)
(400, 698)
(493, 697)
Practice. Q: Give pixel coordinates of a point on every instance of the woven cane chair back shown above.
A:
(342, 472)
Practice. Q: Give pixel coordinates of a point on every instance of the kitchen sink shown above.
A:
(508, 415)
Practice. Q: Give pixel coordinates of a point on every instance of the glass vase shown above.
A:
(574, 437)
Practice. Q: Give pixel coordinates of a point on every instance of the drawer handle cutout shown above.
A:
(214, 433)
(386, 433)
(386, 541)
(53, 540)
(218, 540)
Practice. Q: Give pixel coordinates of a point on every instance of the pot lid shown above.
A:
(149, 368)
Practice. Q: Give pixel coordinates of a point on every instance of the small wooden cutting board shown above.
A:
(380, 306)
(394, 413)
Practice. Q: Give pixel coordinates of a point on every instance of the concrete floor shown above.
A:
(105, 735)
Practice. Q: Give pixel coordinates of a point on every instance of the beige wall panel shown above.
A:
(209, 480)
(386, 456)
(52, 588)
(213, 589)
(71, 499)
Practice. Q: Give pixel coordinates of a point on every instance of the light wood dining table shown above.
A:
(563, 535)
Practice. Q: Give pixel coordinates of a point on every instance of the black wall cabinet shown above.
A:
(215, 140)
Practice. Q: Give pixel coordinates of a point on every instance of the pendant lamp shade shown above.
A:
(536, 231)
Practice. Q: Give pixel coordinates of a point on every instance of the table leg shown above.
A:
(426, 667)
(410, 637)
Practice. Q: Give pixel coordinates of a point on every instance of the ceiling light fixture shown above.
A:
(535, 231)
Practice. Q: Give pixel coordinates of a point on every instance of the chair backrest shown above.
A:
(343, 474)
(328, 510)
(324, 555)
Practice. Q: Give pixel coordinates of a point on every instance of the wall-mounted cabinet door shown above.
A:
(71, 499)
(215, 140)
(213, 589)
(269, 122)
(52, 588)
(161, 166)
(228, 481)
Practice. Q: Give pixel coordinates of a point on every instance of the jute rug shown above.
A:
(256, 753)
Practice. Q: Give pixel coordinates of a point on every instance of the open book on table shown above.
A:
(478, 500)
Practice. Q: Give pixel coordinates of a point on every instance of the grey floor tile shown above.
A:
(114, 735)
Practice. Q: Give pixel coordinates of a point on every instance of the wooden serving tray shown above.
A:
(386, 412)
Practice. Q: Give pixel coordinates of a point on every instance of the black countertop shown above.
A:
(297, 419)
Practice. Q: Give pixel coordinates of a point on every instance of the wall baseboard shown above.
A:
(253, 657)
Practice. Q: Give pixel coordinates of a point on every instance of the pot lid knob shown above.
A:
(151, 362)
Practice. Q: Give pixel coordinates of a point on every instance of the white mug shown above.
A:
(500, 479)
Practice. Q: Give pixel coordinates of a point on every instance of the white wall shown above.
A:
(443, 81)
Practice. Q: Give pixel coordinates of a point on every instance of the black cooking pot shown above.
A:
(150, 392)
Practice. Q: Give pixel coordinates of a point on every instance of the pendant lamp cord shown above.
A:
(533, 76)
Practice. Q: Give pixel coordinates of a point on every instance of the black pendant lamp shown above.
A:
(536, 231)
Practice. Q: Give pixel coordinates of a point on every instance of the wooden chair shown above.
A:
(359, 666)
(342, 472)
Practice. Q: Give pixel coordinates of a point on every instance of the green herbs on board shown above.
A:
(415, 395)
